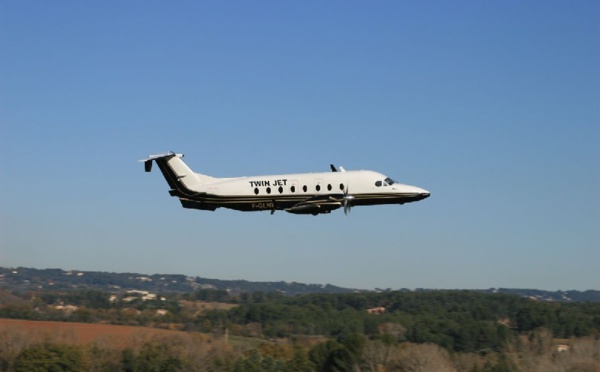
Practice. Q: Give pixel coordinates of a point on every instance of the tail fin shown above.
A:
(177, 174)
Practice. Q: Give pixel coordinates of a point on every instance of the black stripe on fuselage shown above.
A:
(167, 172)
(177, 188)
(280, 202)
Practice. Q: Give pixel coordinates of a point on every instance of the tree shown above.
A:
(13, 340)
(423, 358)
(354, 343)
(377, 354)
(158, 357)
(50, 358)
(394, 331)
(250, 363)
(331, 356)
(299, 361)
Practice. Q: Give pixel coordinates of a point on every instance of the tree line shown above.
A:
(22, 351)
(458, 321)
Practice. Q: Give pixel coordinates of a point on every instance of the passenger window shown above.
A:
(280, 189)
(268, 190)
(304, 188)
(378, 183)
(329, 187)
(293, 189)
(318, 187)
(256, 190)
(342, 186)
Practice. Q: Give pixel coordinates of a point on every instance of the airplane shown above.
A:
(302, 193)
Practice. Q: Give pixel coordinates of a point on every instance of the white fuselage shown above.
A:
(302, 193)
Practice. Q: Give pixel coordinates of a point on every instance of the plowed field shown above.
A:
(82, 333)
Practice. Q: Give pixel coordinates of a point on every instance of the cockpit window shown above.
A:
(389, 181)
(378, 183)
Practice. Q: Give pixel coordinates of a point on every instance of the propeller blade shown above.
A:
(347, 200)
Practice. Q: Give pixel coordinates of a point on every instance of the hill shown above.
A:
(26, 279)
(23, 279)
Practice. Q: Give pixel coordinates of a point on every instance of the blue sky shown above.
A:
(492, 106)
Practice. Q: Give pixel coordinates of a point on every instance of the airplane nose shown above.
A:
(424, 193)
(415, 193)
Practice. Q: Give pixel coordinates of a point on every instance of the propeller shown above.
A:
(347, 201)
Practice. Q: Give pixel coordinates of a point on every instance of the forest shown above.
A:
(270, 331)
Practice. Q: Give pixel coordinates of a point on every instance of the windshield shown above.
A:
(389, 181)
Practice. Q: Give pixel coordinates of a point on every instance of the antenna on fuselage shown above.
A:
(333, 169)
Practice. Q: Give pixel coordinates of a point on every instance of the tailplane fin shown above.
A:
(177, 174)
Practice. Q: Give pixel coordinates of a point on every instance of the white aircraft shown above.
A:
(303, 193)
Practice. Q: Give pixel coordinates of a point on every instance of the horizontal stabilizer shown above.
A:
(148, 161)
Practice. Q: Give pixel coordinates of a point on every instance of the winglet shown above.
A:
(333, 169)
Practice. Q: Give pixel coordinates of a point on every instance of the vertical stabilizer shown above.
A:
(177, 174)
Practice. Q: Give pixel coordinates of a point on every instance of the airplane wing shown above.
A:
(317, 204)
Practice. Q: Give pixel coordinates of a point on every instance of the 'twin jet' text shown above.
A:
(268, 183)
